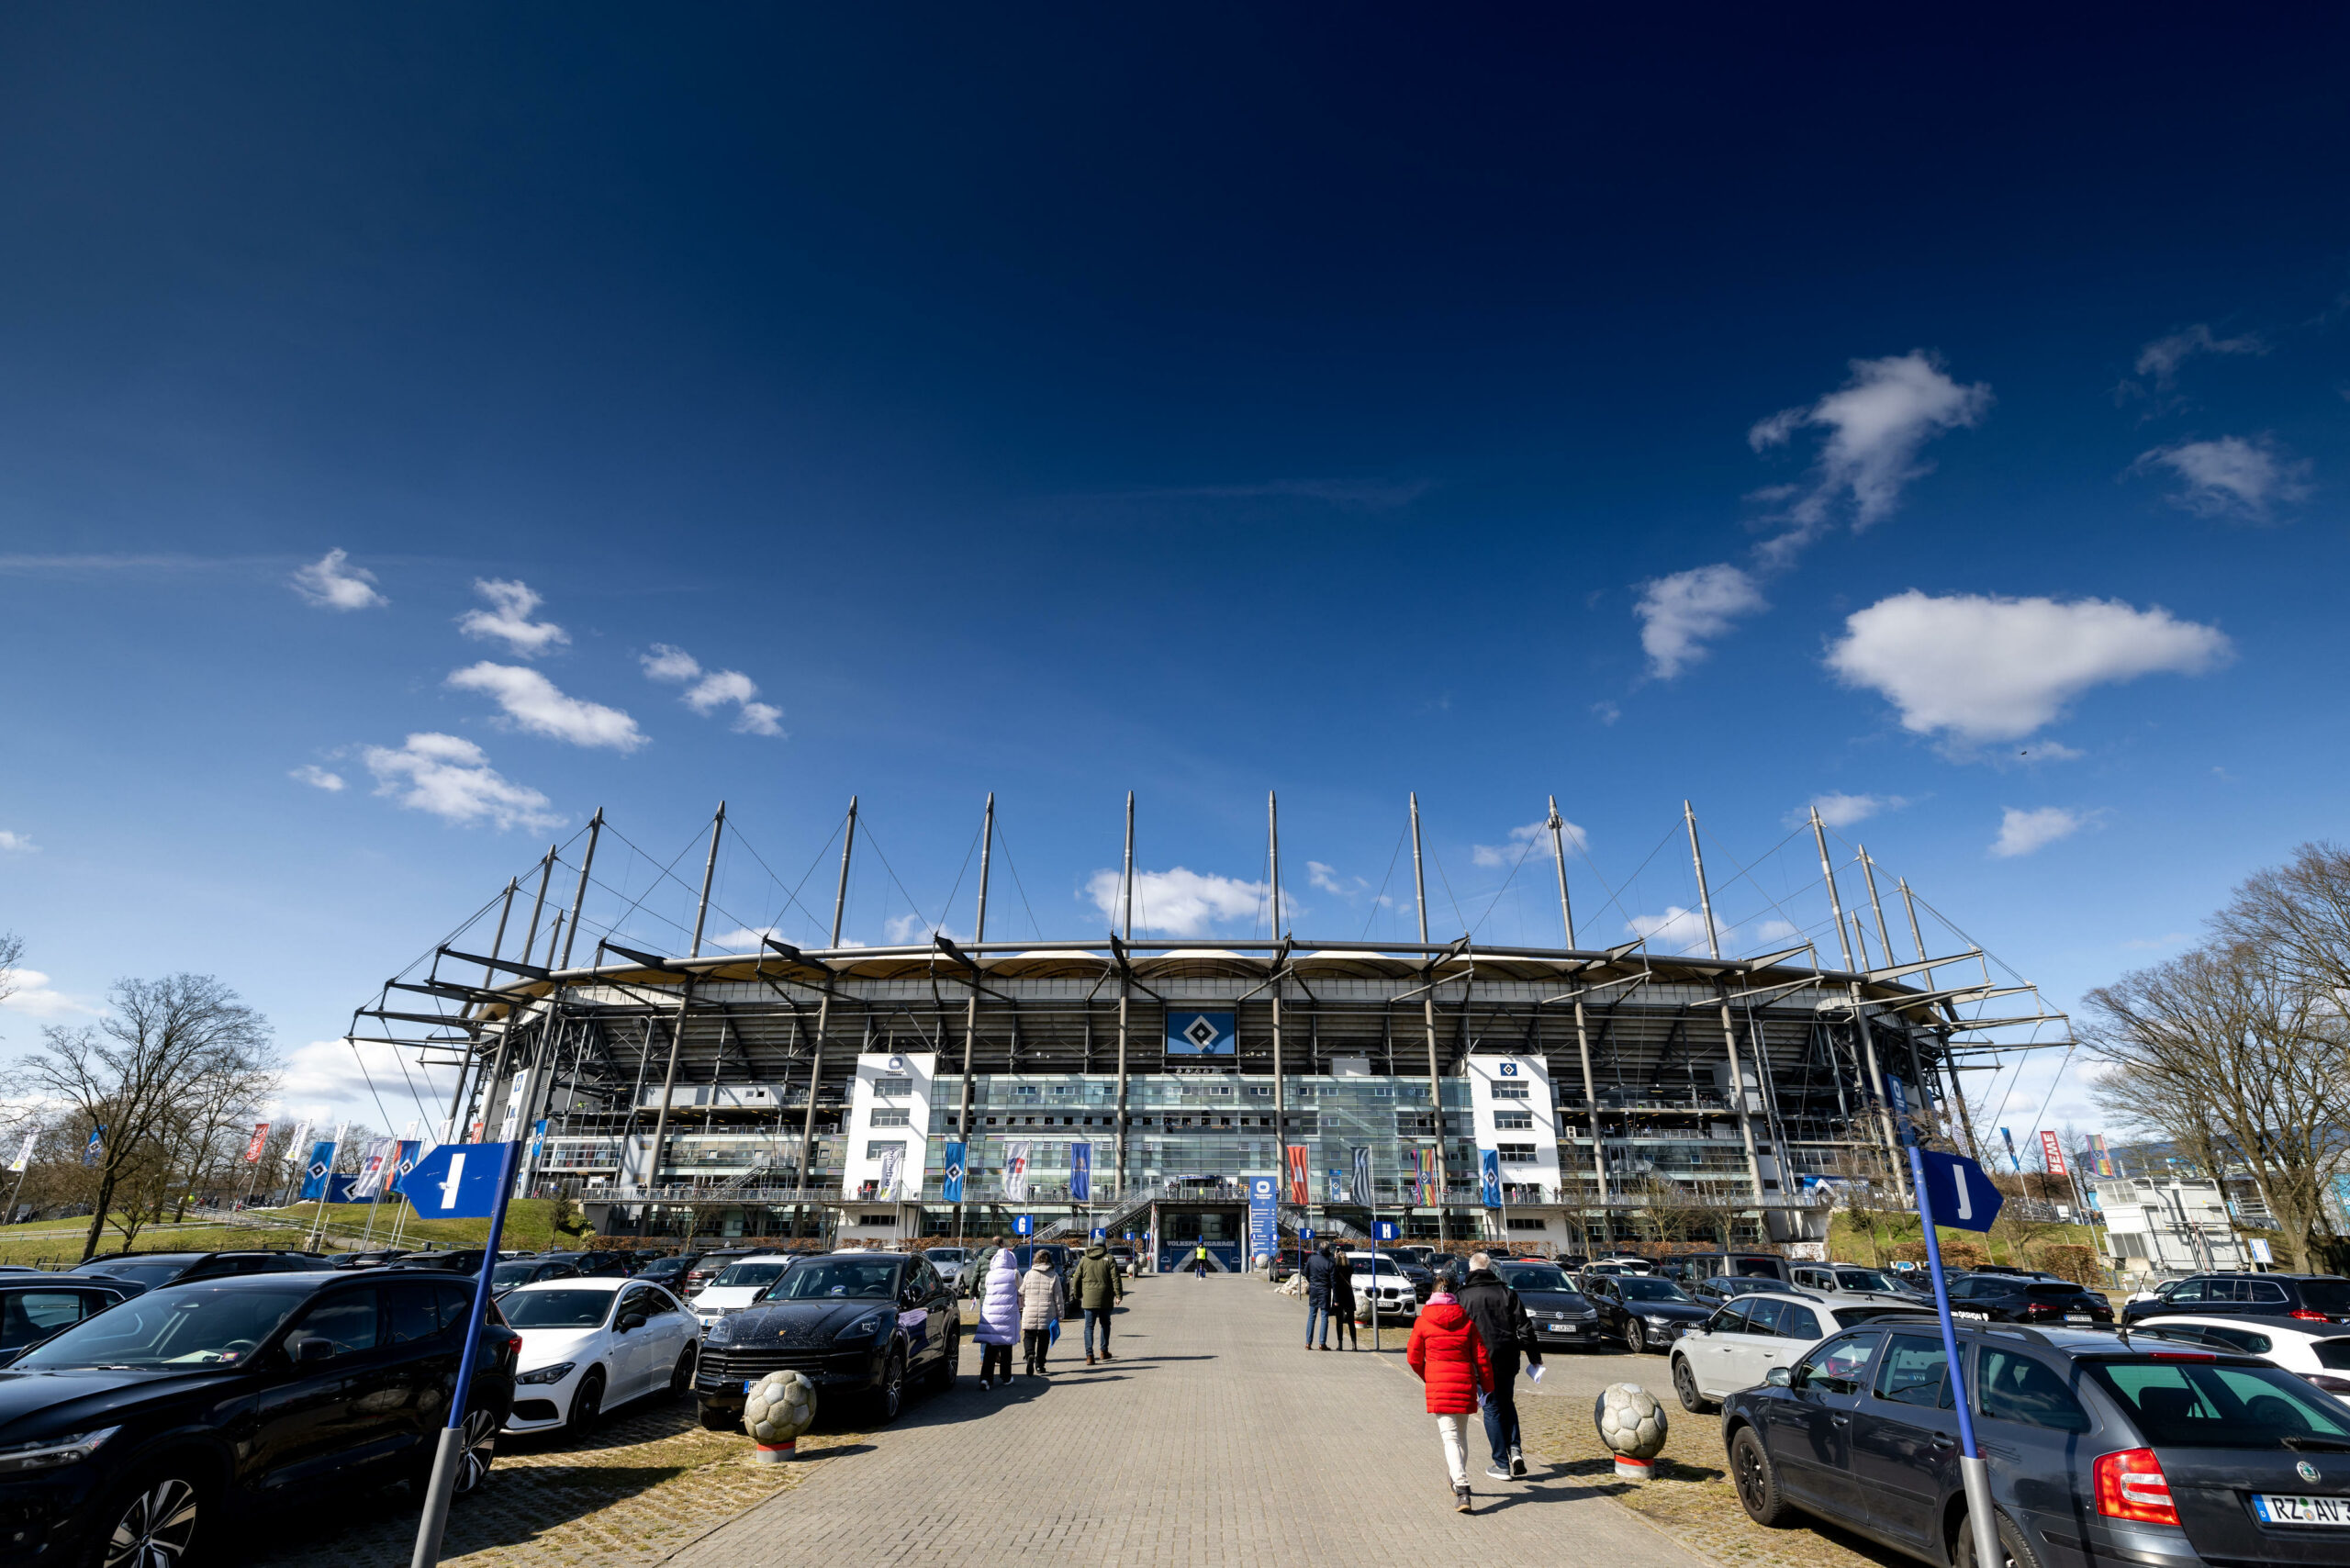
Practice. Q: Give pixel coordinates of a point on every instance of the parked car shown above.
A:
(1378, 1277)
(456, 1261)
(156, 1269)
(669, 1272)
(2101, 1450)
(1695, 1266)
(709, 1265)
(522, 1271)
(860, 1324)
(1645, 1311)
(2317, 1298)
(1618, 1264)
(2009, 1298)
(1852, 1278)
(2319, 1351)
(1738, 1345)
(948, 1261)
(1730, 1287)
(605, 1265)
(737, 1285)
(593, 1342)
(1562, 1316)
(1123, 1257)
(140, 1432)
(36, 1306)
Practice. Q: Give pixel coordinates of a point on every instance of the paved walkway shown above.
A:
(1214, 1439)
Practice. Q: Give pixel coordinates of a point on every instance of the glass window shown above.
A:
(1913, 1371)
(2200, 1404)
(2326, 1296)
(874, 1150)
(29, 1317)
(2217, 1291)
(893, 1086)
(1840, 1366)
(187, 1326)
(414, 1309)
(887, 1118)
(749, 1274)
(1797, 1322)
(2333, 1355)
(2243, 1340)
(2014, 1387)
(2265, 1290)
(1730, 1319)
(857, 1277)
(1516, 1153)
(1764, 1316)
(1862, 1280)
(1514, 1121)
(345, 1320)
(2188, 1290)
(454, 1301)
(580, 1308)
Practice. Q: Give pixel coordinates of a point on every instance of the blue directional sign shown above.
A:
(1303, 1235)
(1384, 1230)
(1023, 1224)
(457, 1180)
(1960, 1190)
(1100, 1234)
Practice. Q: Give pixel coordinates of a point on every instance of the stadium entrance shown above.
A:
(1182, 1231)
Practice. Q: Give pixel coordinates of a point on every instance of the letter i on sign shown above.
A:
(456, 1179)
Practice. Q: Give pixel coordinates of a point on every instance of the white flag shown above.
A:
(25, 1155)
(1015, 1171)
(375, 1169)
(892, 1159)
(297, 1147)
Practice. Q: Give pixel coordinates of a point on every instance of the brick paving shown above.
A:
(1213, 1440)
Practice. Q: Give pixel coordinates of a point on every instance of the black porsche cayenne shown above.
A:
(860, 1324)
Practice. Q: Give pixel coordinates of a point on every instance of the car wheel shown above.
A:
(889, 1396)
(681, 1376)
(153, 1520)
(1636, 1338)
(941, 1377)
(587, 1405)
(1757, 1481)
(717, 1419)
(2013, 1547)
(1684, 1383)
(476, 1453)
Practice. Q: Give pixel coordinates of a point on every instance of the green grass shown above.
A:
(529, 1224)
(1848, 1241)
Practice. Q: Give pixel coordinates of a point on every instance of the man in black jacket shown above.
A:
(1319, 1270)
(1502, 1322)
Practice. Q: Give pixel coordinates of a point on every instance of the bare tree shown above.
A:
(2298, 915)
(137, 1070)
(2232, 1053)
(12, 955)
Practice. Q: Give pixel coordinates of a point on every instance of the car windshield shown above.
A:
(1862, 1280)
(945, 1254)
(506, 1274)
(193, 1325)
(1360, 1265)
(2198, 1404)
(148, 1271)
(574, 1308)
(825, 1277)
(2326, 1296)
(749, 1274)
(1534, 1277)
(1641, 1287)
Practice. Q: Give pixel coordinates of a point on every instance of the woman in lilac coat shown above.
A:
(998, 1318)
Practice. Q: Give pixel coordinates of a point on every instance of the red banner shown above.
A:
(1298, 1193)
(2053, 1151)
(261, 1137)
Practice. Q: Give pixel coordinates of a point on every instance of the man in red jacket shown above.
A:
(1449, 1357)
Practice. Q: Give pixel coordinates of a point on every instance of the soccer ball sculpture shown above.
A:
(1631, 1422)
(779, 1407)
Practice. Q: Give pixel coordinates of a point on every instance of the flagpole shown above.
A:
(442, 1487)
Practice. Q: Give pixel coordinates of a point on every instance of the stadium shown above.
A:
(1565, 1098)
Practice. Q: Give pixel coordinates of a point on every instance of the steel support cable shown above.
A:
(1004, 842)
(871, 838)
(1746, 874)
(1496, 899)
(792, 894)
(1377, 899)
(960, 872)
(1616, 899)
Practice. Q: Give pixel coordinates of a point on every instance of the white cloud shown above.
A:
(1181, 903)
(508, 619)
(17, 844)
(2020, 832)
(1973, 668)
(451, 778)
(2229, 477)
(2162, 358)
(709, 689)
(316, 777)
(1326, 877)
(535, 703)
(330, 582)
(1605, 712)
(36, 997)
(1519, 837)
(1677, 930)
(1839, 809)
(322, 1081)
(1876, 424)
(1680, 613)
(905, 929)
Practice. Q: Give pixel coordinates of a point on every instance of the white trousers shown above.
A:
(1456, 1451)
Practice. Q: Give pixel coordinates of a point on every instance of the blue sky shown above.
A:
(502, 416)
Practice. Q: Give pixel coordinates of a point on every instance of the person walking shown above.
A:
(1200, 1260)
(974, 1273)
(1447, 1355)
(1040, 1308)
(1318, 1271)
(1502, 1324)
(999, 1316)
(1100, 1288)
(1342, 1300)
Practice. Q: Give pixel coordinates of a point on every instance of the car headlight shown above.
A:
(48, 1453)
(1658, 1322)
(554, 1373)
(864, 1327)
(719, 1331)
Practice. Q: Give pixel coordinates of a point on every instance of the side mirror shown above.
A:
(630, 1322)
(311, 1352)
(1779, 1377)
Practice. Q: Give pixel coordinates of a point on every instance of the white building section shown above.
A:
(889, 1110)
(2168, 1227)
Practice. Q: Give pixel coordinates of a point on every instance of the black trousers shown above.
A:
(1343, 1316)
(1038, 1343)
(995, 1361)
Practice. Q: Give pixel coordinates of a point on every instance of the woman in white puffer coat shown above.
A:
(998, 1318)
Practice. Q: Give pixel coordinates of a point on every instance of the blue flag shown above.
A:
(1081, 1173)
(1489, 1172)
(954, 1192)
(322, 1166)
(404, 1164)
(458, 1181)
(95, 1151)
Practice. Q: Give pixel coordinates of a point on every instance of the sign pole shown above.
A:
(442, 1488)
(1973, 1472)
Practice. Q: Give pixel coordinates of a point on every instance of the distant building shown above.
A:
(2174, 1226)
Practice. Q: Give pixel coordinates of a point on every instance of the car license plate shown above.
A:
(1561, 1328)
(2076, 1317)
(749, 1383)
(2276, 1510)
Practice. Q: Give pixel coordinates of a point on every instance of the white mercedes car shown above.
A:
(737, 1285)
(590, 1344)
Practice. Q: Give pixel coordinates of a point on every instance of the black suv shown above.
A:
(1646, 1311)
(2101, 1450)
(860, 1324)
(137, 1429)
(2019, 1298)
(2314, 1298)
(149, 1270)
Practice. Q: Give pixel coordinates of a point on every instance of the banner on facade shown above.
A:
(1015, 1171)
(1081, 1173)
(1338, 1185)
(1200, 1035)
(1361, 1188)
(2102, 1155)
(1489, 1176)
(1300, 1184)
(1430, 1194)
(2052, 1151)
(893, 1158)
(954, 1194)
(1263, 1204)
